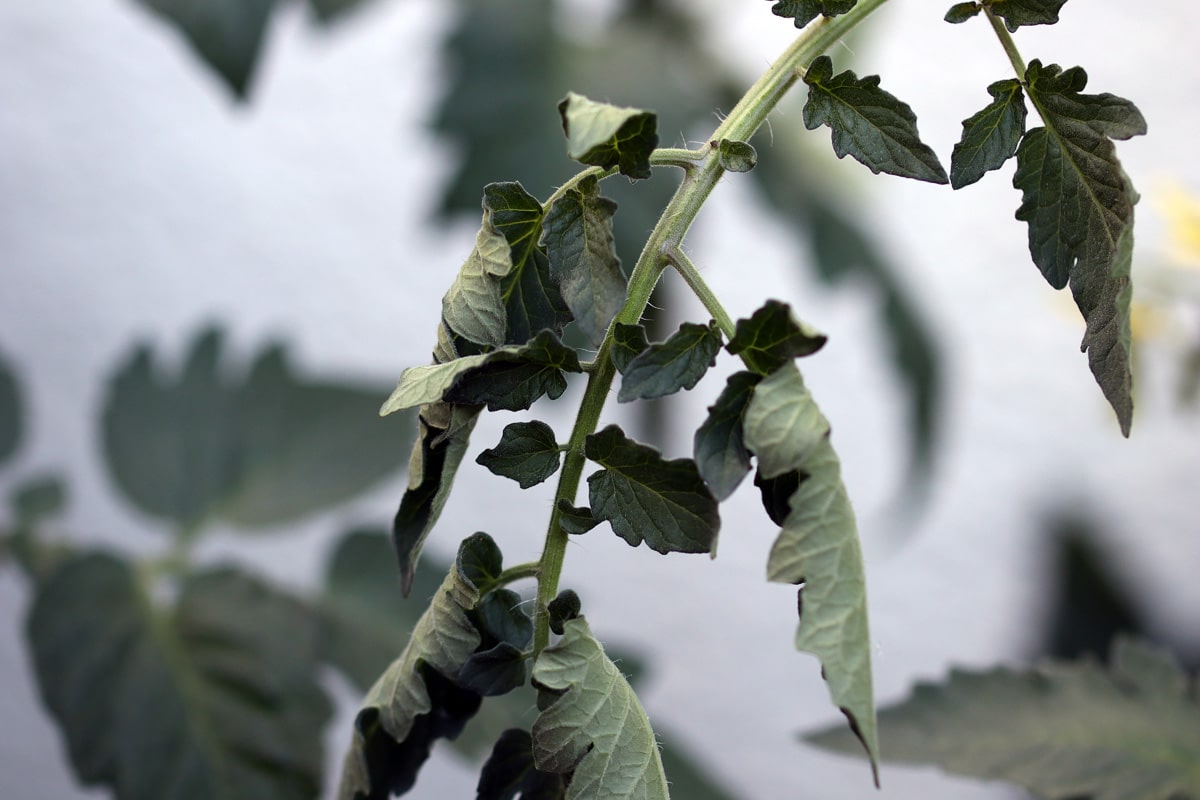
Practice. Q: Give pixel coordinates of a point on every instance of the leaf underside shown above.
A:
(868, 123)
(805, 11)
(596, 729)
(1061, 730)
(647, 498)
(603, 135)
(990, 137)
(678, 363)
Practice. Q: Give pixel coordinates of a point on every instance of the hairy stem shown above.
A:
(691, 276)
(663, 244)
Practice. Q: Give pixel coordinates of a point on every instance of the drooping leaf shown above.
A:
(1061, 730)
(805, 11)
(213, 697)
(603, 135)
(990, 137)
(575, 520)
(818, 547)
(444, 433)
(646, 498)
(629, 341)
(782, 424)
(1016, 13)
(531, 295)
(678, 363)
(428, 383)
(499, 663)
(772, 337)
(415, 701)
(578, 237)
(513, 378)
(473, 307)
(261, 450)
(10, 412)
(777, 493)
(1078, 205)
(226, 34)
(719, 446)
(528, 453)
(877, 129)
(509, 772)
(961, 12)
(737, 156)
(595, 730)
(565, 606)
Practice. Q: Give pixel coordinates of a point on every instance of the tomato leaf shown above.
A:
(1060, 730)
(647, 498)
(603, 135)
(990, 137)
(805, 11)
(718, 446)
(678, 363)
(868, 123)
(1016, 13)
(509, 772)
(595, 730)
(629, 341)
(772, 337)
(961, 12)
(528, 453)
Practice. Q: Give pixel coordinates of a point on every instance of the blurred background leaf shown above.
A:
(10, 412)
(262, 450)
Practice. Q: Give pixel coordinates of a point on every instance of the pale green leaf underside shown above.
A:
(428, 383)
(1062, 730)
(783, 425)
(868, 123)
(443, 639)
(596, 728)
(604, 135)
(474, 306)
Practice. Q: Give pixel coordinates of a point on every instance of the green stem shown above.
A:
(691, 276)
(513, 574)
(1006, 41)
(743, 121)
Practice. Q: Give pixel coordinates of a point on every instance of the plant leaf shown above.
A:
(578, 236)
(678, 363)
(10, 412)
(229, 672)
(513, 378)
(646, 498)
(509, 772)
(1016, 13)
(575, 520)
(528, 453)
(595, 729)
(603, 135)
(226, 34)
(498, 665)
(473, 308)
(629, 341)
(718, 446)
(805, 11)
(415, 700)
(868, 123)
(772, 337)
(261, 450)
(736, 156)
(1061, 730)
(818, 546)
(1078, 205)
(991, 136)
(428, 383)
(961, 12)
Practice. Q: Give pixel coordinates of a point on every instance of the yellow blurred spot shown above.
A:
(1182, 211)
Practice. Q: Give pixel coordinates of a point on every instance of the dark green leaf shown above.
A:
(215, 697)
(513, 378)
(365, 619)
(266, 449)
(678, 363)
(495, 671)
(990, 137)
(736, 156)
(868, 123)
(443, 436)
(226, 34)
(629, 341)
(10, 412)
(565, 607)
(328, 11)
(603, 135)
(961, 12)
(479, 559)
(718, 446)
(1016, 13)
(772, 337)
(646, 498)
(777, 493)
(415, 701)
(805, 11)
(528, 453)
(37, 499)
(1061, 730)
(575, 520)
(1078, 205)
(509, 772)
(578, 237)
(595, 728)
